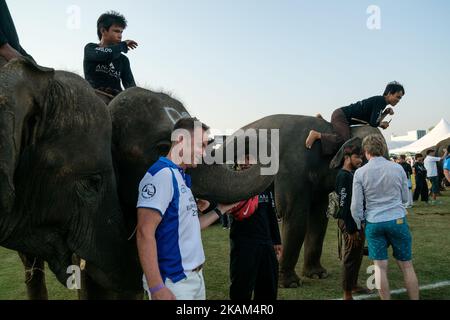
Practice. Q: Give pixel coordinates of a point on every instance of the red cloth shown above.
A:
(245, 209)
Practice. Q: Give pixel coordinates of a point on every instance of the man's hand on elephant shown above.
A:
(163, 294)
(278, 250)
(384, 125)
(131, 44)
(9, 52)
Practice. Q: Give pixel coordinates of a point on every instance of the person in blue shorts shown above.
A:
(380, 190)
(447, 165)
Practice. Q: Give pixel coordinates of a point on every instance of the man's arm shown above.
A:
(96, 53)
(357, 204)
(148, 221)
(405, 189)
(447, 174)
(209, 218)
(127, 76)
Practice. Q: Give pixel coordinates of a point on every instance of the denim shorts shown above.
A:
(393, 233)
(434, 184)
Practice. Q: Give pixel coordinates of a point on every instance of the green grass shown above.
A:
(430, 227)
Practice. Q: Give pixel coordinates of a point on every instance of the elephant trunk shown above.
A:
(223, 184)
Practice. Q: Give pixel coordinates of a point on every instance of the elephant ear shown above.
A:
(13, 113)
(336, 162)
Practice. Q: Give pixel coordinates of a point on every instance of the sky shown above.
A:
(233, 62)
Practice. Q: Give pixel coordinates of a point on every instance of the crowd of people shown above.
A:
(430, 175)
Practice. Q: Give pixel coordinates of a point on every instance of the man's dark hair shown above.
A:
(393, 87)
(189, 124)
(448, 149)
(418, 155)
(351, 150)
(430, 152)
(403, 157)
(108, 19)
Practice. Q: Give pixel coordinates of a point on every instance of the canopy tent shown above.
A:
(440, 133)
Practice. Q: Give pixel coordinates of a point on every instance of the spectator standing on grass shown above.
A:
(353, 238)
(447, 165)
(431, 164)
(420, 174)
(255, 246)
(380, 189)
(408, 170)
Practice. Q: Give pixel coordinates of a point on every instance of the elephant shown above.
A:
(58, 194)
(302, 183)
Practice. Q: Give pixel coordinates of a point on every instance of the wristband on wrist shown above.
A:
(218, 212)
(157, 288)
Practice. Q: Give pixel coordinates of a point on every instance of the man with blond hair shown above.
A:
(380, 190)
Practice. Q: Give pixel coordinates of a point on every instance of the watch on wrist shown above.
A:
(218, 212)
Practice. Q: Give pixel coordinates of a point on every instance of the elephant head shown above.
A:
(57, 185)
(142, 125)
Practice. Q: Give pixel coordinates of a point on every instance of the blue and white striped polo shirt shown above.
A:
(166, 189)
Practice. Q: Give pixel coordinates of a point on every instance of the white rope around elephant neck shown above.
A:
(31, 271)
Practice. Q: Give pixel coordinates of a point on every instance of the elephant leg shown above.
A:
(91, 290)
(315, 235)
(295, 211)
(34, 277)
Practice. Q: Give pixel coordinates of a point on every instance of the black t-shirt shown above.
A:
(421, 172)
(368, 110)
(105, 67)
(8, 33)
(407, 167)
(344, 185)
(262, 226)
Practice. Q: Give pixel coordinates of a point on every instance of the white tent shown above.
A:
(438, 134)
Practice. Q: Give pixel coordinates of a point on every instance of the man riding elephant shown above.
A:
(370, 111)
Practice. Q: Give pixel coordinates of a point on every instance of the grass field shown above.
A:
(430, 227)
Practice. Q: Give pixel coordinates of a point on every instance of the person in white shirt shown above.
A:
(168, 231)
(380, 190)
(430, 163)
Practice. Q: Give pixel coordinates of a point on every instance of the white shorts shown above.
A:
(190, 288)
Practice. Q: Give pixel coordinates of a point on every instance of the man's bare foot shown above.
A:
(312, 137)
